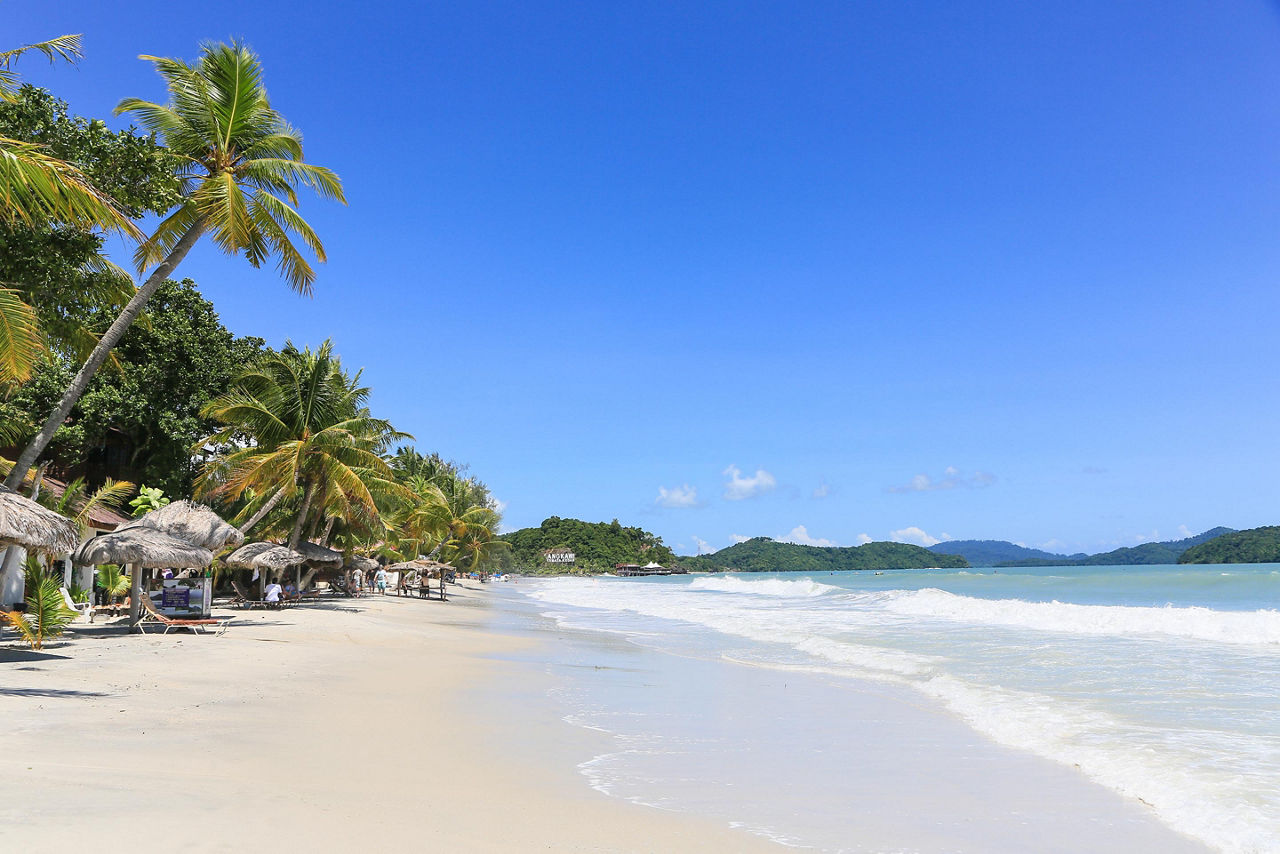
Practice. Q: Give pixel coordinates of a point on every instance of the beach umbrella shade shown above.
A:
(264, 556)
(142, 548)
(364, 564)
(319, 556)
(193, 523)
(25, 523)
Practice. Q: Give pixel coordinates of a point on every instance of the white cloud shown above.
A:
(863, 539)
(677, 496)
(951, 478)
(822, 490)
(915, 536)
(704, 548)
(738, 538)
(739, 487)
(497, 504)
(800, 535)
(1184, 532)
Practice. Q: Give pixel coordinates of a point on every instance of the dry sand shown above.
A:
(337, 727)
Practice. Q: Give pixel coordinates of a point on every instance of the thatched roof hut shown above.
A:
(143, 547)
(192, 523)
(364, 564)
(25, 523)
(264, 556)
(319, 556)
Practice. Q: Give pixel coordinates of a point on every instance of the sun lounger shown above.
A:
(242, 599)
(151, 615)
(84, 609)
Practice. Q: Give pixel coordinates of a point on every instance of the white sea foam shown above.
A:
(1233, 627)
(1216, 805)
(799, 587)
(1209, 780)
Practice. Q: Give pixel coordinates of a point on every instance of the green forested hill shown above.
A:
(995, 552)
(1256, 545)
(762, 554)
(1169, 551)
(598, 545)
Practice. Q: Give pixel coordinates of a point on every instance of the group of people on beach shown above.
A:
(375, 581)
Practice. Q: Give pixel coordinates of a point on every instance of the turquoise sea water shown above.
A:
(1160, 683)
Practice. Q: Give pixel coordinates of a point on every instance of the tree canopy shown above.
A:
(762, 554)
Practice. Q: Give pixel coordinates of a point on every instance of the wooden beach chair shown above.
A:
(242, 599)
(151, 615)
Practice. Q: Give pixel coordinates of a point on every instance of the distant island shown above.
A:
(571, 546)
(1256, 545)
(762, 554)
(996, 552)
(1005, 554)
(561, 546)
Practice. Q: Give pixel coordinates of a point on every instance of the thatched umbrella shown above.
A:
(264, 556)
(142, 548)
(319, 556)
(364, 564)
(194, 523)
(25, 523)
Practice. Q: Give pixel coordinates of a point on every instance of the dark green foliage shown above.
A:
(58, 269)
(1256, 545)
(762, 554)
(1147, 554)
(994, 552)
(598, 546)
(149, 410)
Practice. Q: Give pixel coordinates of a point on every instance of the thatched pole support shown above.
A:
(135, 596)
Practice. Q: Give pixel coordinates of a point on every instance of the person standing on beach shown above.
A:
(380, 580)
(357, 582)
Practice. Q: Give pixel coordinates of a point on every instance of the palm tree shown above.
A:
(78, 504)
(240, 166)
(36, 187)
(303, 433)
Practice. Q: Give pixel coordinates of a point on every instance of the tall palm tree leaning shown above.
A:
(240, 163)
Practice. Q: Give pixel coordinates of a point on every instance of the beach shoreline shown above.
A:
(406, 725)
(330, 728)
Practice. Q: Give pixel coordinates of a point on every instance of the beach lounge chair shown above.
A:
(242, 599)
(84, 609)
(151, 615)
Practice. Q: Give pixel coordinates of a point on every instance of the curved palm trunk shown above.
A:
(263, 511)
(308, 493)
(99, 355)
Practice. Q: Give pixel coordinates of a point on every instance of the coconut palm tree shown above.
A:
(240, 165)
(78, 504)
(302, 433)
(36, 187)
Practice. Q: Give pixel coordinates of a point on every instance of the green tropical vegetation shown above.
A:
(47, 615)
(762, 554)
(597, 547)
(100, 379)
(239, 165)
(1256, 545)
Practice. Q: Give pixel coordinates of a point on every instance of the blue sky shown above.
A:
(824, 271)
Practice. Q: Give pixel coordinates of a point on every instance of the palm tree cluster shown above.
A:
(302, 459)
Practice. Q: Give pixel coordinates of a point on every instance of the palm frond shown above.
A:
(20, 340)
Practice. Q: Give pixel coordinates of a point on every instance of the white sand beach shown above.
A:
(378, 723)
(329, 728)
